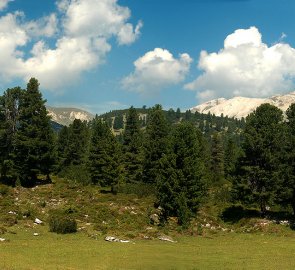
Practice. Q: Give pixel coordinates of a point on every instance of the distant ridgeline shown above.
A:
(207, 123)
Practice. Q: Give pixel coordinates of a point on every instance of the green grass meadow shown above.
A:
(77, 251)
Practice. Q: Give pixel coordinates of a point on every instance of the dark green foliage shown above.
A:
(105, 166)
(34, 140)
(132, 147)
(183, 176)
(62, 222)
(73, 149)
(286, 190)
(119, 122)
(231, 155)
(156, 144)
(257, 178)
(9, 116)
(217, 153)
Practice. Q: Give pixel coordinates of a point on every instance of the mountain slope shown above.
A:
(239, 107)
(65, 116)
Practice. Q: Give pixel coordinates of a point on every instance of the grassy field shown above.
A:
(77, 251)
(209, 242)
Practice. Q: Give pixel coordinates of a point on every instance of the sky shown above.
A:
(102, 55)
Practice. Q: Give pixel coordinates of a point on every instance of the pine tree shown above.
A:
(119, 122)
(132, 147)
(9, 114)
(286, 189)
(78, 143)
(156, 144)
(217, 153)
(34, 142)
(183, 175)
(105, 164)
(231, 155)
(257, 179)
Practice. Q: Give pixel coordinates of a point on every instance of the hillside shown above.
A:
(65, 116)
(239, 107)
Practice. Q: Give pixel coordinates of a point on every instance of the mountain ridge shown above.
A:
(65, 116)
(239, 107)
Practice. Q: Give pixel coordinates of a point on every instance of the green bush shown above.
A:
(61, 222)
(140, 189)
(4, 190)
(77, 174)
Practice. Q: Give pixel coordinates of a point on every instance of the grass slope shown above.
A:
(231, 251)
(99, 213)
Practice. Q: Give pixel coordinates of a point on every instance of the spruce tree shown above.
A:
(182, 178)
(132, 147)
(257, 178)
(34, 141)
(217, 153)
(286, 190)
(156, 144)
(105, 164)
(9, 115)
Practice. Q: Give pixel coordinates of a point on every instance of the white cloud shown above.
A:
(4, 4)
(81, 41)
(46, 26)
(245, 67)
(157, 69)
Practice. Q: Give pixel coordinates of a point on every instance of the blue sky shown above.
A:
(102, 55)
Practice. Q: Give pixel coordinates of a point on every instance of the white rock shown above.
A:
(36, 234)
(2, 239)
(38, 221)
(166, 238)
(12, 213)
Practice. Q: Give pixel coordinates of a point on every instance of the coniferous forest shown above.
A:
(183, 159)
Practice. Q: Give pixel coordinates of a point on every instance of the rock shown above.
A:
(155, 219)
(166, 238)
(284, 222)
(2, 239)
(114, 239)
(36, 234)
(12, 213)
(38, 221)
(111, 239)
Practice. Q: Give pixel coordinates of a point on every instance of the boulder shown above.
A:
(38, 221)
(155, 219)
(166, 238)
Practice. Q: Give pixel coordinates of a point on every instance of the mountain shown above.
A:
(65, 116)
(239, 107)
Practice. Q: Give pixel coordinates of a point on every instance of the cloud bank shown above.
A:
(81, 42)
(245, 67)
(4, 4)
(155, 70)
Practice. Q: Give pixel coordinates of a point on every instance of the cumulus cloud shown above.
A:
(157, 69)
(81, 41)
(245, 67)
(4, 4)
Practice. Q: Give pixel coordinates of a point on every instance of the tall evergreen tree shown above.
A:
(9, 115)
(156, 143)
(257, 180)
(34, 142)
(105, 164)
(119, 122)
(217, 153)
(183, 175)
(132, 147)
(286, 190)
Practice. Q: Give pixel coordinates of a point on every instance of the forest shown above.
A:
(178, 157)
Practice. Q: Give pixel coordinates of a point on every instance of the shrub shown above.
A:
(61, 222)
(4, 190)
